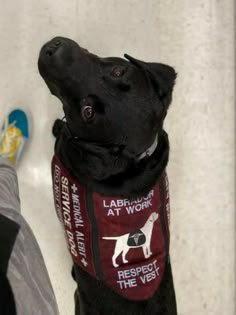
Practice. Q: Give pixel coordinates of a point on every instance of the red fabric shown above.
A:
(121, 242)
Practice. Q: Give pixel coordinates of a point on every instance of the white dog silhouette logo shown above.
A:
(136, 239)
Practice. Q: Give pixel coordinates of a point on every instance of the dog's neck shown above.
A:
(147, 153)
(134, 180)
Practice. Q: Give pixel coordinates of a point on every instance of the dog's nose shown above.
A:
(52, 47)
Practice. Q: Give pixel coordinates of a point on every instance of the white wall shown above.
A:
(197, 38)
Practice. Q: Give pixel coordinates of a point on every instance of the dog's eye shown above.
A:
(118, 72)
(88, 113)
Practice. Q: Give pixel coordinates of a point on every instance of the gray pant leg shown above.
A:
(26, 271)
(9, 193)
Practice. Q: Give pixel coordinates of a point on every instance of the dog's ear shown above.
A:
(162, 77)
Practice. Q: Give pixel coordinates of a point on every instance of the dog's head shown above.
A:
(108, 101)
(153, 217)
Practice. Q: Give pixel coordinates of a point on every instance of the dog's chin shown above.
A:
(115, 166)
(99, 161)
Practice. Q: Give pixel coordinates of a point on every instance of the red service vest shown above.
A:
(122, 242)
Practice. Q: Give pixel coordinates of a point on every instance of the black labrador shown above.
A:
(112, 143)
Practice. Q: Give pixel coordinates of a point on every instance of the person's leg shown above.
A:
(9, 193)
(21, 261)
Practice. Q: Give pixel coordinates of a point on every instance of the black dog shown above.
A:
(110, 158)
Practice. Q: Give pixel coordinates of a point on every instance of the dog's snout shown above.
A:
(52, 48)
(59, 51)
(57, 56)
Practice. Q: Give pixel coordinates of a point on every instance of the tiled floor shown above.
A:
(197, 38)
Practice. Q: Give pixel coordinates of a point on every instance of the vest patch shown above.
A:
(136, 238)
(122, 242)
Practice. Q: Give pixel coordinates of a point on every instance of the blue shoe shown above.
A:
(13, 136)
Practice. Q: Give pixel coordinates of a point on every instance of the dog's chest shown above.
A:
(124, 243)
